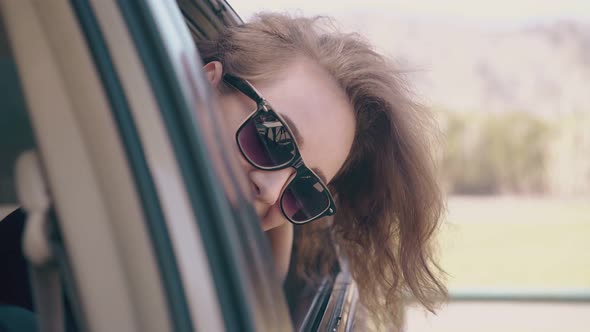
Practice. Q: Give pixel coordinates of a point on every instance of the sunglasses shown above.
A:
(267, 143)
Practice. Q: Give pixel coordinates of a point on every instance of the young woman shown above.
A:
(333, 145)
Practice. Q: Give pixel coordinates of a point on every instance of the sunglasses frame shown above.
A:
(262, 106)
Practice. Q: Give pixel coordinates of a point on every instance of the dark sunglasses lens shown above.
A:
(304, 199)
(265, 141)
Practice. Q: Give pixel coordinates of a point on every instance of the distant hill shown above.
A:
(467, 65)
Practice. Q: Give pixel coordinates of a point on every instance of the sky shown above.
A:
(516, 11)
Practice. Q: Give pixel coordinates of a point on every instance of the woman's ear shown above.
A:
(213, 71)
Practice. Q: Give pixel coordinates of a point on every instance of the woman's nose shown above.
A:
(269, 184)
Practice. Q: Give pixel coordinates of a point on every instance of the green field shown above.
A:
(516, 243)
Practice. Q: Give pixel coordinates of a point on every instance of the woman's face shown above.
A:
(315, 106)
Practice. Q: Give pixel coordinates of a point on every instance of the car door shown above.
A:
(155, 230)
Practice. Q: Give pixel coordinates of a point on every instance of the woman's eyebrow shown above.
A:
(294, 129)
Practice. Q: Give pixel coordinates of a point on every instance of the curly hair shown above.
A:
(389, 201)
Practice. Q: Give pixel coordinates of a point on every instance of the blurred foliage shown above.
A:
(515, 153)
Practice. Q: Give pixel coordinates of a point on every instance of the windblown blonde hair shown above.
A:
(389, 202)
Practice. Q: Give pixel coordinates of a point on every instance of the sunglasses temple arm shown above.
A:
(245, 87)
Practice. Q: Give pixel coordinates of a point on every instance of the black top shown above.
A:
(16, 303)
(14, 276)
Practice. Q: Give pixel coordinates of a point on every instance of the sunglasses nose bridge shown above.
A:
(297, 164)
(270, 185)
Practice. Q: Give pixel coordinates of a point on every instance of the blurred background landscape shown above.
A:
(509, 83)
(513, 100)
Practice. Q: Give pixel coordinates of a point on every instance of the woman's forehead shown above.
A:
(318, 109)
